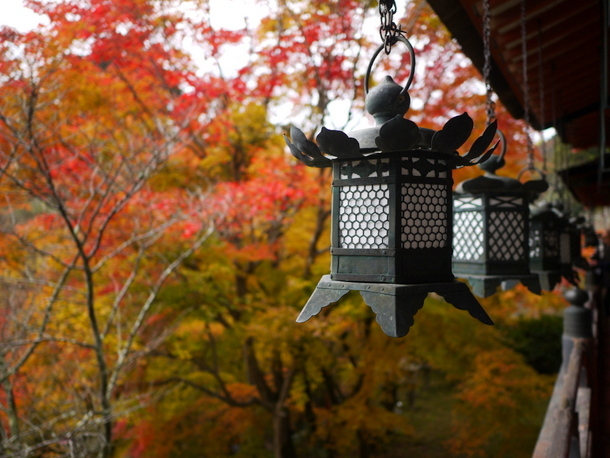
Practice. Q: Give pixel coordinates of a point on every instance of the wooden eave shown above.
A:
(564, 49)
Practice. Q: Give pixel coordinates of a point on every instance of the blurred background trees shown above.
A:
(158, 242)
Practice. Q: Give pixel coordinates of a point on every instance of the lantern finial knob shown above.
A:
(386, 100)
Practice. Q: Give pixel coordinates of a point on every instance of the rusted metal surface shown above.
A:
(391, 215)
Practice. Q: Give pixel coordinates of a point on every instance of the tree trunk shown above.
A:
(283, 446)
(364, 449)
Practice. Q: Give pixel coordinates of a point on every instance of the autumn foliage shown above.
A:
(157, 243)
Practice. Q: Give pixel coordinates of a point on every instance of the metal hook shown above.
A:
(381, 48)
(531, 168)
(503, 142)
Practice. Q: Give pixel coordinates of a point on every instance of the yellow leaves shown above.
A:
(501, 398)
(520, 302)
(191, 328)
(192, 336)
(500, 378)
(344, 426)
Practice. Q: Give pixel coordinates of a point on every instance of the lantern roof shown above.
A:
(388, 103)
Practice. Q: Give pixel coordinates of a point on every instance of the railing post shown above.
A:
(577, 321)
(560, 436)
(577, 324)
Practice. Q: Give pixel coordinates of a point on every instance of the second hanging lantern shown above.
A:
(491, 230)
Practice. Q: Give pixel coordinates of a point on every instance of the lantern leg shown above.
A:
(458, 295)
(571, 276)
(324, 295)
(548, 279)
(487, 285)
(394, 304)
(531, 282)
(395, 312)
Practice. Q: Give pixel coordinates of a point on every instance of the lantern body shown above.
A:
(570, 251)
(491, 234)
(490, 240)
(566, 238)
(545, 236)
(391, 213)
(392, 219)
(546, 228)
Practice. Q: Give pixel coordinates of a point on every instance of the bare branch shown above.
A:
(42, 329)
(149, 301)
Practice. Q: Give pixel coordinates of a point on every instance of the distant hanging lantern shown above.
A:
(578, 239)
(391, 208)
(491, 230)
(570, 247)
(546, 231)
(590, 237)
(491, 214)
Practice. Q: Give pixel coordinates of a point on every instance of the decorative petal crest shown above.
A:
(483, 142)
(304, 150)
(453, 134)
(398, 134)
(475, 155)
(337, 143)
(461, 161)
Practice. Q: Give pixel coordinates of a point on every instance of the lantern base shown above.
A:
(394, 304)
(487, 285)
(571, 276)
(548, 278)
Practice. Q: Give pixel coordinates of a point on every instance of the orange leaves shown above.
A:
(242, 392)
(501, 379)
(502, 399)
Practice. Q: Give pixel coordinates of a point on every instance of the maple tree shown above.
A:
(91, 111)
(158, 242)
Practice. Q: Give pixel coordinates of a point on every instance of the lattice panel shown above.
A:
(551, 243)
(369, 168)
(468, 239)
(506, 236)
(564, 247)
(423, 215)
(506, 202)
(424, 167)
(535, 244)
(467, 203)
(363, 216)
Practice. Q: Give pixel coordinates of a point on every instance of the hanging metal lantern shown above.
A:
(546, 226)
(570, 247)
(577, 227)
(589, 235)
(391, 208)
(491, 230)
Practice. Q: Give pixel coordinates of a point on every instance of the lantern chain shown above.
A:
(541, 91)
(388, 31)
(526, 95)
(491, 106)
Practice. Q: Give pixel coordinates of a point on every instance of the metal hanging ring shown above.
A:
(503, 142)
(404, 40)
(531, 168)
